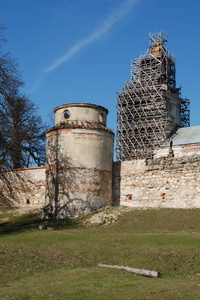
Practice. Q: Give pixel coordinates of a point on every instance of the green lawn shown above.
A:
(63, 263)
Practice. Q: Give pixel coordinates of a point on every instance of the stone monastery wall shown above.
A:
(25, 186)
(165, 182)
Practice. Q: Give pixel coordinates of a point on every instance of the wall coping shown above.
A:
(23, 169)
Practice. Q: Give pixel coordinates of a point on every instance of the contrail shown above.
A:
(107, 24)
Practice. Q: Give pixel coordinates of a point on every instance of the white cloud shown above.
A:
(107, 24)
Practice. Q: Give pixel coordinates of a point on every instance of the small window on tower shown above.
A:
(66, 114)
(101, 118)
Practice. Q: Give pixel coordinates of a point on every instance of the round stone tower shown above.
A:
(79, 160)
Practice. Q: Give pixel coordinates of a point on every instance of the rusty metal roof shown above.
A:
(185, 135)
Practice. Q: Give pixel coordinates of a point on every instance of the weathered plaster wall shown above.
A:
(178, 151)
(77, 191)
(163, 182)
(81, 112)
(78, 170)
(167, 182)
(24, 186)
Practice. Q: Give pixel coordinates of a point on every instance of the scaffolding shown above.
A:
(143, 118)
(185, 113)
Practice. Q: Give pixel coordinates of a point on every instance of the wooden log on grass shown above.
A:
(143, 272)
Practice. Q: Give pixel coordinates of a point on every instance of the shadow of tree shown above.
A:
(70, 191)
(9, 179)
(116, 187)
(17, 187)
(19, 224)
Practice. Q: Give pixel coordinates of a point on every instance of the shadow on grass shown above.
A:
(24, 223)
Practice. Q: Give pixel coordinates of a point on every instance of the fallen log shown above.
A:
(143, 272)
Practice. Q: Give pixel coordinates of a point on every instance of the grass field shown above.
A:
(63, 263)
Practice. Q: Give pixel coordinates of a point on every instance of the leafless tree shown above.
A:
(22, 132)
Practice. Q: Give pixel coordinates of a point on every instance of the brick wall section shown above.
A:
(27, 186)
(168, 182)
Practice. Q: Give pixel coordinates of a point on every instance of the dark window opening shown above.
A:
(66, 114)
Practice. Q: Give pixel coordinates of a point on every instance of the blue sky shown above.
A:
(80, 50)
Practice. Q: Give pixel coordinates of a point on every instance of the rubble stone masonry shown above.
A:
(165, 182)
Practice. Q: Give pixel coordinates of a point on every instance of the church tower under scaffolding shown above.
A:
(150, 108)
